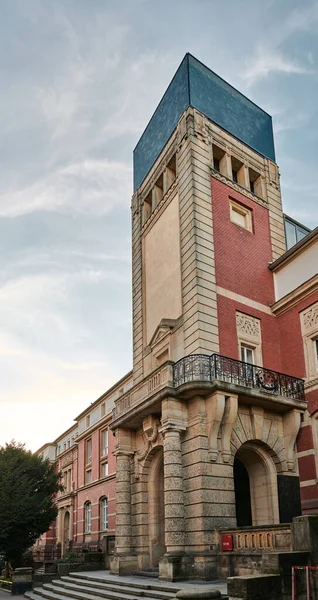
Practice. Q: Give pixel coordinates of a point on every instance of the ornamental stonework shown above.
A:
(247, 326)
(310, 319)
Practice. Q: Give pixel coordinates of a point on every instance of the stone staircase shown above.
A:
(89, 587)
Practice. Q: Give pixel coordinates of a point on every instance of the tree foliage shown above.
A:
(28, 485)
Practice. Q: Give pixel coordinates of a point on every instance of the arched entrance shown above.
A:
(156, 507)
(255, 483)
(66, 531)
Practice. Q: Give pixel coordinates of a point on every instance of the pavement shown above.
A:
(218, 584)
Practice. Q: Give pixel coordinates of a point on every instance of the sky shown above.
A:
(79, 81)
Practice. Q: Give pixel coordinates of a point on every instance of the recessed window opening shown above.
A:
(170, 173)
(88, 517)
(316, 353)
(237, 171)
(104, 469)
(147, 206)
(89, 451)
(247, 354)
(104, 441)
(158, 191)
(255, 182)
(241, 215)
(89, 476)
(219, 159)
(104, 514)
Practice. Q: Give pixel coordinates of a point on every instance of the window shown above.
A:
(104, 442)
(255, 182)
(219, 159)
(104, 469)
(88, 517)
(158, 190)
(247, 354)
(103, 410)
(89, 451)
(294, 232)
(89, 476)
(238, 171)
(88, 421)
(309, 328)
(241, 215)
(64, 446)
(316, 353)
(170, 173)
(104, 514)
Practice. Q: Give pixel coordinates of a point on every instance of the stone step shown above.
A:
(49, 592)
(70, 591)
(109, 590)
(125, 582)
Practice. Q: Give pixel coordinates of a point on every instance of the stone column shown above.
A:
(173, 486)
(174, 564)
(123, 503)
(124, 561)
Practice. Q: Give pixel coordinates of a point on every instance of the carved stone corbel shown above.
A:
(291, 425)
(230, 414)
(150, 436)
(215, 409)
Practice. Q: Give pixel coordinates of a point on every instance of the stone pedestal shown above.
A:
(305, 535)
(258, 587)
(175, 566)
(21, 581)
(123, 565)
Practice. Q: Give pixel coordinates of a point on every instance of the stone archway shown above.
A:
(255, 481)
(156, 506)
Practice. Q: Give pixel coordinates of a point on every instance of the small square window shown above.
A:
(241, 215)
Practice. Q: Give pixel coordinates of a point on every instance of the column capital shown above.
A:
(121, 452)
(177, 426)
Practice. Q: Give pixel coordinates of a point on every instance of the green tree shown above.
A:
(28, 486)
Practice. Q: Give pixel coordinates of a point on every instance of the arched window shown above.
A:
(104, 514)
(88, 517)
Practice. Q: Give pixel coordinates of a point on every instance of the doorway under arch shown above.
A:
(66, 531)
(156, 506)
(255, 484)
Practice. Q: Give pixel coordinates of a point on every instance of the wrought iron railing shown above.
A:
(201, 367)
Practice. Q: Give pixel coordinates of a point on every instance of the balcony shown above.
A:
(217, 368)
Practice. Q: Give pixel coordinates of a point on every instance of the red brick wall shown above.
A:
(241, 256)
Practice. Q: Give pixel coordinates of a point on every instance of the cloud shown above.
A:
(94, 186)
(271, 61)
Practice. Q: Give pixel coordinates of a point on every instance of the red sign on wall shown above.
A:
(227, 543)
